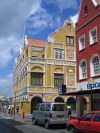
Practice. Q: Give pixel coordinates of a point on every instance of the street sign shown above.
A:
(61, 89)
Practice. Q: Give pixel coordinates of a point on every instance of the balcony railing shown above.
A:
(51, 61)
(35, 60)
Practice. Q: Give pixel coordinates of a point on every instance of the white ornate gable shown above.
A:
(96, 2)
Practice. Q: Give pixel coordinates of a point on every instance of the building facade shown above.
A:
(88, 56)
(42, 66)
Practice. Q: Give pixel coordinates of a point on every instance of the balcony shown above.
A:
(50, 61)
(34, 60)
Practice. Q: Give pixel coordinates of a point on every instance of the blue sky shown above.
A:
(34, 18)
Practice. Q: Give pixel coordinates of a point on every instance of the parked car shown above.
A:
(50, 114)
(88, 123)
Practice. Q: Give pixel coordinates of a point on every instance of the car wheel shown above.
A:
(33, 121)
(72, 129)
(47, 125)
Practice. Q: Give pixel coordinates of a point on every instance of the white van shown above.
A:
(49, 114)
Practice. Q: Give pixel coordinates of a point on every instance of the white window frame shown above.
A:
(81, 45)
(58, 53)
(68, 25)
(70, 40)
(81, 72)
(95, 38)
(93, 66)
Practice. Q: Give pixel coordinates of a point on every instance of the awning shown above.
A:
(83, 92)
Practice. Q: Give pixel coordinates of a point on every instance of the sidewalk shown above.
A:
(17, 116)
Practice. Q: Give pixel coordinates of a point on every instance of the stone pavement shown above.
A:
(15, 116)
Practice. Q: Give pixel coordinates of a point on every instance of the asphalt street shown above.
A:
(8, 125)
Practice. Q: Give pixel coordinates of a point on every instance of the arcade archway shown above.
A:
(83, 105)
(71, 102)
(59, 99)
(35, 101)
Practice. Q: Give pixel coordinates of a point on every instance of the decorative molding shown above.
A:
(98, 14)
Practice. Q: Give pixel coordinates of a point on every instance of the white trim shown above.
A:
(59, 51)
(95, 3)
(80, 43)
(91, 38)
(83, 85)
(80, 69)
(79, 11)
(92, 74)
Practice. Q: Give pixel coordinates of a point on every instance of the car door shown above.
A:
(36, 112)
(85, 122)
(42, 112)
(95, 124)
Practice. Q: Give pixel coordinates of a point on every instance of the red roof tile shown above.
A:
(36, 42)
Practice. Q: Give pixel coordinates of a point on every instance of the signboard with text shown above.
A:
(93, 85)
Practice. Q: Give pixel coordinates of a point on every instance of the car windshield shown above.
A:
(59, 107)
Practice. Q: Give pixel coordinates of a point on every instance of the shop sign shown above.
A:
(60, 89)
(94, 85)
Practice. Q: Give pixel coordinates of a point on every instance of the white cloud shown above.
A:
(5, 85)
(8, 45)
(74, 18)
(42, 20)
(64, 4)
(13, 15)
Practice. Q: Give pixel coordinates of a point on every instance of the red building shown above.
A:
(88, 55)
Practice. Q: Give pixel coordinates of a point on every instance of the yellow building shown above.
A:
(42, 66)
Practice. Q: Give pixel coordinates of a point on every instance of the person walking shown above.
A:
(69, 113)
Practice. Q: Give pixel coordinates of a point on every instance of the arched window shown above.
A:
(96, 65)
(83, 69)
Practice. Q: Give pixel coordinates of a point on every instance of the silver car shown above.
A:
(49, 114)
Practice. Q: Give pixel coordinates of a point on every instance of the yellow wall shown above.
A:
(48, 67)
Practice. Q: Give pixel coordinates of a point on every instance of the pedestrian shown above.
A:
(17, 109)
(9, 109)
(12, 106)
(5, 108)
(69, 113)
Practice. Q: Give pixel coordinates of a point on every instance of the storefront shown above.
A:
(85, 99)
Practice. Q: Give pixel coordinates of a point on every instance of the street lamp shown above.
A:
(91, 98)
(91, 82)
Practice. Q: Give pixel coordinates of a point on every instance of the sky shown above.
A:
(36, 19)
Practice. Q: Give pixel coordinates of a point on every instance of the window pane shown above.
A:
(58, 53)
(87, 117)
(82, 42)
(59, 107)
(69, 39)
(69, 26)
(86, 10)
(96, 65)
(37, 79)
(58, 79)
(84, 69)
(48, 106)
(93, 36)
(97, 118)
